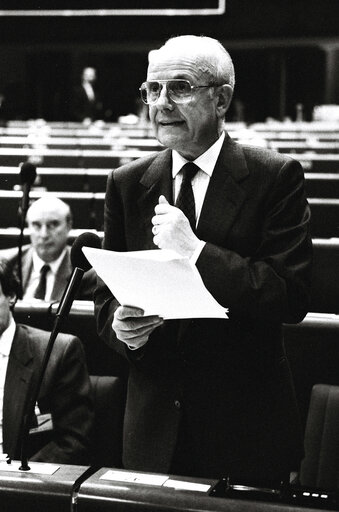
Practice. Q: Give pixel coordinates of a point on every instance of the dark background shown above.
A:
(285, 52)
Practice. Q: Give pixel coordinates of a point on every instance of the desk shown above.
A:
(32, 492)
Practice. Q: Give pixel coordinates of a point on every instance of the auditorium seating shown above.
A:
(87, 207)
(320, 467)
(324, 185)
(57, 179)
(324, 217)
(101, 360)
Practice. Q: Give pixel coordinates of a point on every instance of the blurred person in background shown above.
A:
(86, 105)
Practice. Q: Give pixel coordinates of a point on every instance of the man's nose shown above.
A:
(164, 100)
(44, 231)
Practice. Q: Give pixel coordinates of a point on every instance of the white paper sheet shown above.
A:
(160, 282)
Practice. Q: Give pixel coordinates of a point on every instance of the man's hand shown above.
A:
(132, 328)
(172, 230)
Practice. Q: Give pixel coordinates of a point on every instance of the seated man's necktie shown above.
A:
(185, 200)
(40, 292)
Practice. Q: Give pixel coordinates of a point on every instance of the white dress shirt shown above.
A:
(89, 91)
(34, 278)
(6, 340)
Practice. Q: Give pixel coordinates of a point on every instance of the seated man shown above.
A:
(46, 263)
(65, 392)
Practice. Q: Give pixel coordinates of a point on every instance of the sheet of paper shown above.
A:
(160, 282)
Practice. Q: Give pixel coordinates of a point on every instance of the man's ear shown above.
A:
(12, 301)
(224, 95)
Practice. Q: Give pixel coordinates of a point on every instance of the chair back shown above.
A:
(320, 467)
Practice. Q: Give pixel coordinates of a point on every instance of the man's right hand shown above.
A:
(132, 327)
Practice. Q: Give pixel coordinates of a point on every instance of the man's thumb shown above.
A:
(163, 200)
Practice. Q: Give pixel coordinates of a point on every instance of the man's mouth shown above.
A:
(170, 123)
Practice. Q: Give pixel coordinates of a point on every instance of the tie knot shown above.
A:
(189, 170)
(44, 269)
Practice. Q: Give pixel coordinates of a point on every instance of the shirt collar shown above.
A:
(38, 263)
(206, 162)
(7, 337)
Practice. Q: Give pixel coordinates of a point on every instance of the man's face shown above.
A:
(189, 128)
(90, 75)
(49, 231)
(5, 312)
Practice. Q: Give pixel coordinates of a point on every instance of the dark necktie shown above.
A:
(40, 292)
(185, 200)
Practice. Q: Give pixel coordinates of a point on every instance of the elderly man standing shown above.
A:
(208, 397)
(46, 263)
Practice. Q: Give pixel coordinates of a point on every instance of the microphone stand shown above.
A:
(23, 213)
(61, 314)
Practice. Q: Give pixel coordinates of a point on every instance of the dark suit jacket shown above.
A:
(229, 380)
(87, 284)
(82, 107)
(65, 393)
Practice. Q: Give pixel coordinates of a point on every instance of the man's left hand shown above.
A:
(172, 230)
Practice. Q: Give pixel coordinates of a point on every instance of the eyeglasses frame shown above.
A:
(173, 80)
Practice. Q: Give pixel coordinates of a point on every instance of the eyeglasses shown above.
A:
(179, 91)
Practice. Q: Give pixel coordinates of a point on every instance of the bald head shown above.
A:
(49, 220)
(192, 124)
(212, 59)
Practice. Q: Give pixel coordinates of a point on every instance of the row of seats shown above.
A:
(106, 143)
(322, 185)
(64, 158)
(121, 153)
(57, 178)
(88, 211)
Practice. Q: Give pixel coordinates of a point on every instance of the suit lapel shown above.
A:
(225, 195)
(16, 391)
(27, 266)
(61, 277)
(156, 181)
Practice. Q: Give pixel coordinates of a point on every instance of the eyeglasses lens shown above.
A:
(178, 90)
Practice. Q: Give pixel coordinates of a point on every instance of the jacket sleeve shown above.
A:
(69, 400)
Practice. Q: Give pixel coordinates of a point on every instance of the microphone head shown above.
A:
(27, 173)
(78, 258)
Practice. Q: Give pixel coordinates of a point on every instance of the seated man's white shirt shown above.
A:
(89, 91)
(206, 163)
(6, 341)
(34, 278)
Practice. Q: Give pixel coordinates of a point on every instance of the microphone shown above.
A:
(27, 177)
(81, 265)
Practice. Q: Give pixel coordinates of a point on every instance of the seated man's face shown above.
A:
(49, 231)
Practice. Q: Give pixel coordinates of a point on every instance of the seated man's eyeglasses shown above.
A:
(179, 91)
